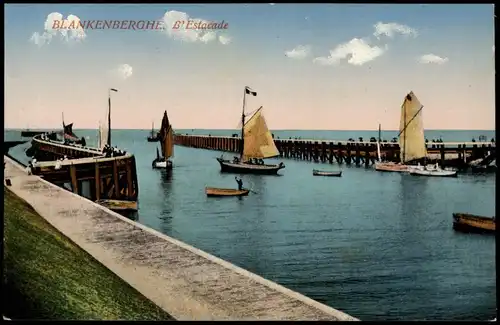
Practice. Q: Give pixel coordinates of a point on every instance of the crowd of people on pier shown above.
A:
(113, 151)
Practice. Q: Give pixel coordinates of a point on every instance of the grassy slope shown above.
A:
(47, 276)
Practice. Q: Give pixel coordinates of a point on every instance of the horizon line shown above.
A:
(238, 129)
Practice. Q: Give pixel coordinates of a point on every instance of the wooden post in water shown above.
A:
(115, 179)
(97, 182)
(74, 182)
(129, 180)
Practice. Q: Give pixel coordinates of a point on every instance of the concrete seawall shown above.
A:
(186, 282)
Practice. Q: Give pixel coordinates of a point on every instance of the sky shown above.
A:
(313, 66)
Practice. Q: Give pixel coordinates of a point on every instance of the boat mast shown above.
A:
(109, 114)
(243, 124)
(152, 129)
(404, 132)
(109, 119)
(378, 143)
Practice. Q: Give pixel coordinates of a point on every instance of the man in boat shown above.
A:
(240, 183)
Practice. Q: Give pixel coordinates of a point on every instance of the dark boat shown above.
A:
(153, 137)
(166, 137)
(30, 134)
(472, 223)
(257, 144)
(213, 191)
(325, 173)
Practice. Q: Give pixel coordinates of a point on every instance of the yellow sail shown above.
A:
(258, 141)
(411, 138)
(103, 135)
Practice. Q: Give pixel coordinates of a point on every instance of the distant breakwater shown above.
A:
(453, 154)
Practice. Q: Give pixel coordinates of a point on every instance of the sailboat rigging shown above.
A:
(257, 144)
(166, 138)
(411, 137)
(379, 156)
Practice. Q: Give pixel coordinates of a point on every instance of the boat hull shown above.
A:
(391, 167)
(162, 164)
(327, 174)
(244, 168)
(471, 223)
(433, 173)
(225, 192)
(118, 205)
(155, 139)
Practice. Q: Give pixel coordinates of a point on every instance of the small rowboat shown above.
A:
(213, 191)
(472, 223)
(118, 205)
(325, 173)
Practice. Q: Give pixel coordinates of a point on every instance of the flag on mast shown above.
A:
(250, 92)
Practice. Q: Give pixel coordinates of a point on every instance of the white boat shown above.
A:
(411, 137)
(167, 145)
(433, 171)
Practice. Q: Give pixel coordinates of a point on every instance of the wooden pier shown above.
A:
(452, 154)
(86, 172)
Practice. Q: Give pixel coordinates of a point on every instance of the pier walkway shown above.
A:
(186, 282)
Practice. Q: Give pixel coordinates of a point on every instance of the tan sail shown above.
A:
(411, 138)
(258, 141)
(169, 143)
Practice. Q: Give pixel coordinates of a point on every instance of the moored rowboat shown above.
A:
(213, 191)
(118, 205)
(473, 223)
(326, 173)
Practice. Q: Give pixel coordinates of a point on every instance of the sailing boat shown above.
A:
(153, 137)
(68, 134)
(411, 137)
(167, 145)
(257, 144)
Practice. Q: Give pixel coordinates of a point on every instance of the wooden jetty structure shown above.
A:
(30, 133)
(87, 171)
(103, 175)
(447, 154)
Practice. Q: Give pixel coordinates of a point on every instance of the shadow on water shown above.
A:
(168, 205)
(132, 215)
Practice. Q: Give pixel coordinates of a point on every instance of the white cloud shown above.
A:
(272, 4)
(179, 32)
(224, 39)
(300, 52)
(432, 58)
(125, 71)
(391, 29)
(493, 48)
(55, 25)
(358, 52)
